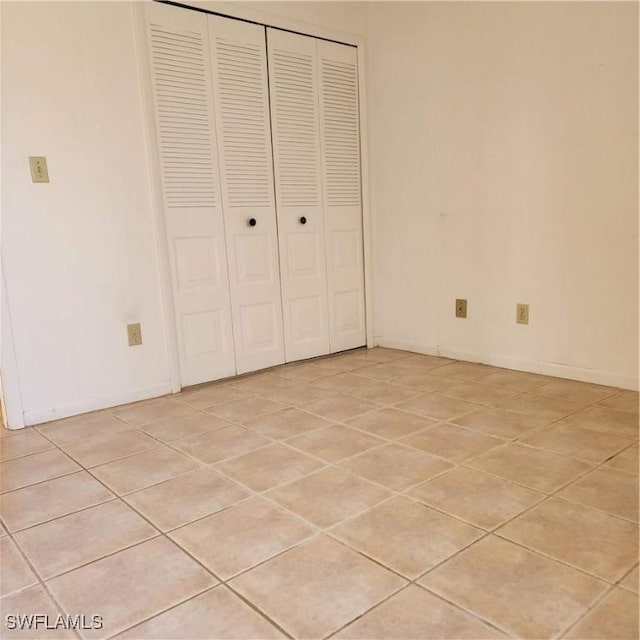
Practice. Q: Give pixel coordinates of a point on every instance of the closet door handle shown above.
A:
(303, 220)
(252, 222)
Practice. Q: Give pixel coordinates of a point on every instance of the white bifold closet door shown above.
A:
(342, 192)
(316, 143)
(186, 140)
(241, 104)
(295, 118)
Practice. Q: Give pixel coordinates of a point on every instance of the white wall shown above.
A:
(505, 170)
(79, 253)
(348, 16)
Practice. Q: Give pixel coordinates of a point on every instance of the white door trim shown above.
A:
(155, 192)
(12, 406)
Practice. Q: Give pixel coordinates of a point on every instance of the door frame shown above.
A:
(232, 10)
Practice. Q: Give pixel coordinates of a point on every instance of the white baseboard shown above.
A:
(507, 362)
(39, 416)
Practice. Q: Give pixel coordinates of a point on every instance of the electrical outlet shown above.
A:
(39, 171)
(461, 308)
(134, 332)
(522, 313)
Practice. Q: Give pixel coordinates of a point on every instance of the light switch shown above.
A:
(39, 171)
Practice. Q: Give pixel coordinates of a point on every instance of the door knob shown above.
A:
(303, 220)
(252, 222)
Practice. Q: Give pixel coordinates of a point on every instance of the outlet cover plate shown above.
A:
(134, 334)
(461, 308)
(522, 313)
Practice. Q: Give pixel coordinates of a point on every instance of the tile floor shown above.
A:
(374, 494)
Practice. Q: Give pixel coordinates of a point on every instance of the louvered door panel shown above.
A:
(178, 50)
(293, 83)
(340, 145)
(241, 99)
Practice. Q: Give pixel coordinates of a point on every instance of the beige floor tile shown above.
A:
(452, 443)
(464, 370)
(299, 588)
(22, 445)
(606, 546)
(515, 380)
(391, 423)
(534, 468)
(181, 500)
(341, 364)
(406, 536)
(395, 466)
(593, 446)
(479, 393)
(217, 613)
(15, 574)
(3, 531)
(38, 467)
(383, 371)
(6, 433)
(613, 491)
(144, 469)
(576, 391)
(297, 396)
(423, 362)
(502, 423)
(269, 467)
(381, 354)
(286, 423)
(422, 381)
(131, 585)
(226, 442)
(625, 461)
(82, 427)
(384, 393)
(476, 497)
(52, 499)
(335, 442)
(542, 406)
(141, 413)
(180, 427)
(110, 446)
(33, 601)
(622, 401)
(615, 617)
(519, 591)
(339, 407)
(210, 395)
(246, 408)
(328, 496)
(433, 405)
(416, 614)
(79, 538)
(241, 537)
(344, 382)
(630, 581)
(305, 371)
(619, 423)
(260, 382)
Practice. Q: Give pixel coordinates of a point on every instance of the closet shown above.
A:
(257, 136)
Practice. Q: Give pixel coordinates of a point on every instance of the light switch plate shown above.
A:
(522, 313)
(461, 308)
(39, 172)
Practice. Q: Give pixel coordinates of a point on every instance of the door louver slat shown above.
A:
(341, 132)
(184, 121)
